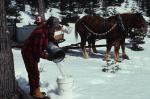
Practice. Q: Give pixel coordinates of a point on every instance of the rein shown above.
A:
(102, 34)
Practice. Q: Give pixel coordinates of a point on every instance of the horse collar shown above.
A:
(121, 22)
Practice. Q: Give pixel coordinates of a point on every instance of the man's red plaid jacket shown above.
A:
(37, 43)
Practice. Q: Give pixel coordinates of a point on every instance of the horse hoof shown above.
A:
(107, 60)
(119, 61)
(125, 57)
(86, 56)
(94, 51)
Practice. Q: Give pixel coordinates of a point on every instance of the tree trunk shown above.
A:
(41, 8)
(8, 85)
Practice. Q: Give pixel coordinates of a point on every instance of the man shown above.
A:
(39, 20)
(35, 48)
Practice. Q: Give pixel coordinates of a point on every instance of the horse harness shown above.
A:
(126, 31)
(119, 22)
(97, 34)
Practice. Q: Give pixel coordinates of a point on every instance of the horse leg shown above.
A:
(116, 51)
(91, 42)
(124, 55)
(109, 46)
(83, 43)
(93, 46)
(89, 45)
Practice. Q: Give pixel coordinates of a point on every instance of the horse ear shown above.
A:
(139, 13)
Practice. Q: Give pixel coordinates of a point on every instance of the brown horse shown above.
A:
(113, 29)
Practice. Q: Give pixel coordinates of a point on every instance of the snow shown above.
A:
(52, 12)
(131, 82)
(26, 19)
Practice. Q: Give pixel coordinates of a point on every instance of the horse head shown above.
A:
(138, 22)
(52, 22)
(131, 21)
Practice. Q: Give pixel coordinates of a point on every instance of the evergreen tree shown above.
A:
(12, 8)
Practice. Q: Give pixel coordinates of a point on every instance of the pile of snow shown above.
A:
(26, 19)
(53, 12)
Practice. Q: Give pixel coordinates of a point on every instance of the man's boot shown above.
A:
(37, 94)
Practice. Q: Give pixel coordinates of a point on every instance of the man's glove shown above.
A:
(44, 54)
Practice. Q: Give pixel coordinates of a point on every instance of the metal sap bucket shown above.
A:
(56, 54)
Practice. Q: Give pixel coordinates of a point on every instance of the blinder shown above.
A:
(52, 21)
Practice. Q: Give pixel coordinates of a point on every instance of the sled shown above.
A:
(77, 46)
(20, 34)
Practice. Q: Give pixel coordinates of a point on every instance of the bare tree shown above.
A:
(8, 86)
(41, 8)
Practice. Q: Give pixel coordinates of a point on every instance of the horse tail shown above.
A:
(76, 29)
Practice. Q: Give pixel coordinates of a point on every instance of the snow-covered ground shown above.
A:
(131, 82)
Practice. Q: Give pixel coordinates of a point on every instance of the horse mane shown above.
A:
(80, 22)
(114, 16)
(117, 17)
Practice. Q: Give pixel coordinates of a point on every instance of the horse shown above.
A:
(81, 29)
(128, 22)
(114, 29)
